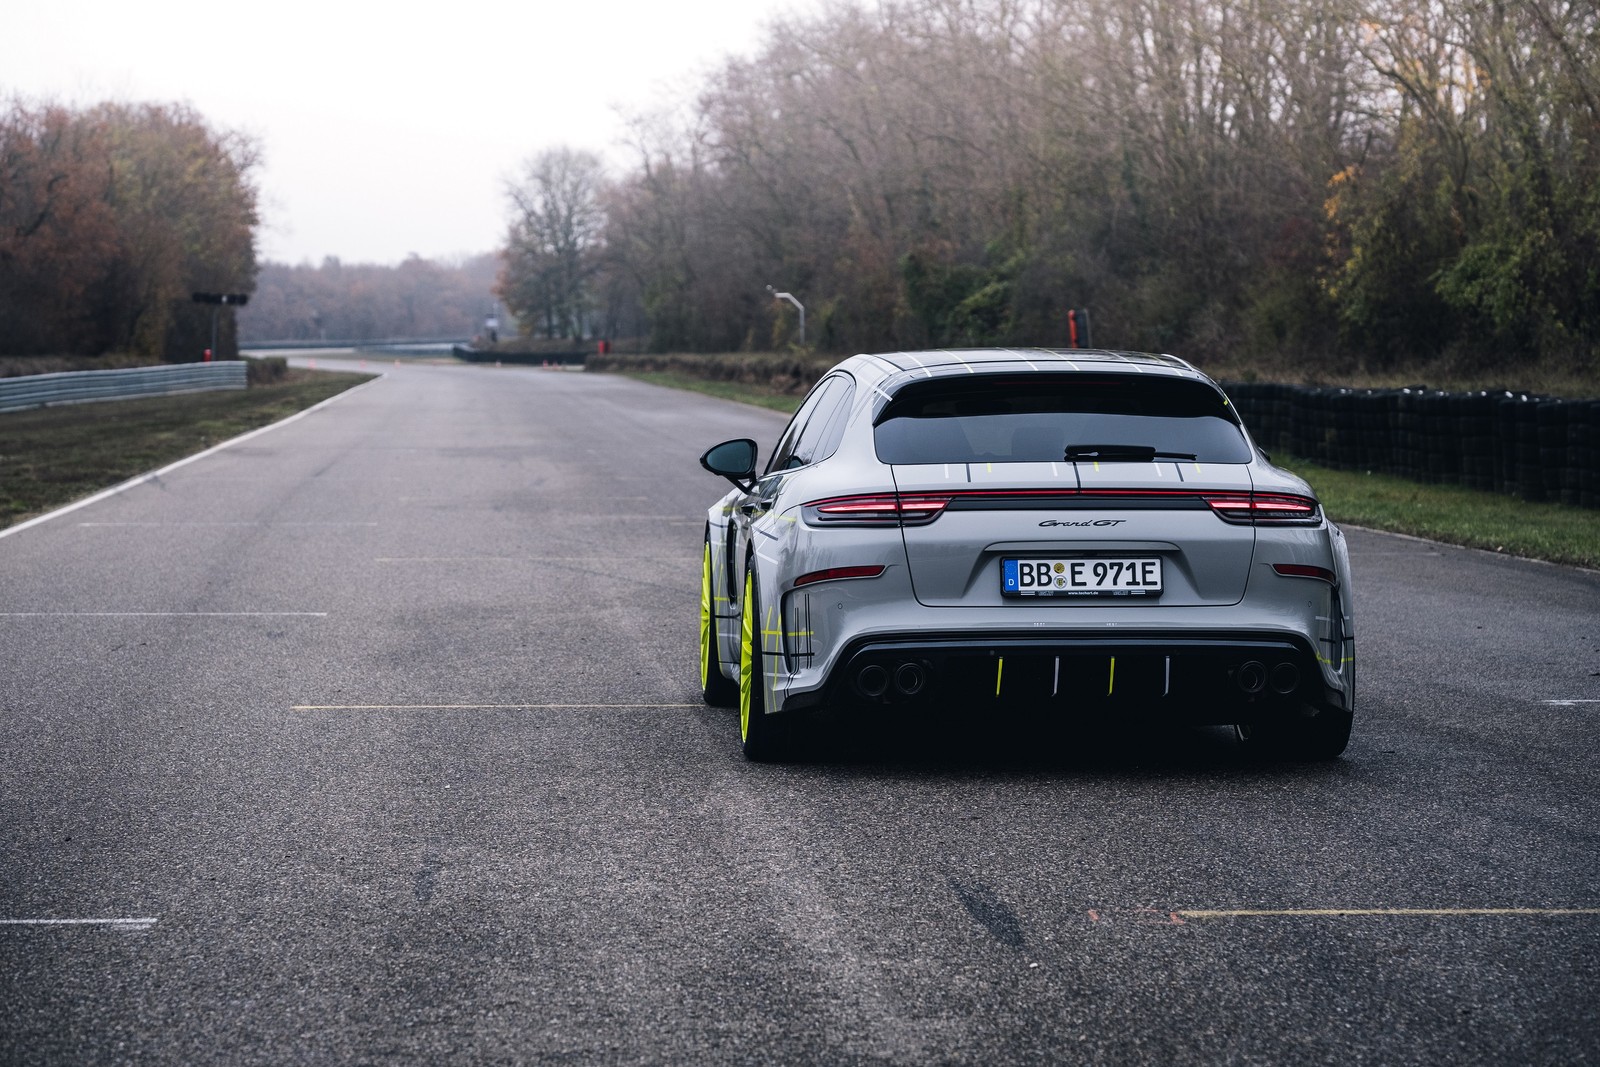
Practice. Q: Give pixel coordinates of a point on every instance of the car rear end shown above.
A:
(1085, 540)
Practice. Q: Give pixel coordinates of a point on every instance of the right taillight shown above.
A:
(876, 509)
(1265, 509)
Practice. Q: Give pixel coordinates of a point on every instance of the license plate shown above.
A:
(1099, 576)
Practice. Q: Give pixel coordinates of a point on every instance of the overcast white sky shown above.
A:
(386, 129)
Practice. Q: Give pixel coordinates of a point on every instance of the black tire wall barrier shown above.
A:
(1533, 447)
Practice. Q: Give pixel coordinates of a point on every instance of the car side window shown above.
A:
(822, 433)
(783, 456)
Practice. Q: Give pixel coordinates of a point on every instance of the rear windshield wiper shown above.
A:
(1132, 453)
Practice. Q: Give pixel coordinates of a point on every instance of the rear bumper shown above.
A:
(1226, 677)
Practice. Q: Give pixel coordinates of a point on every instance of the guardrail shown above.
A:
(1537, 448)
(77, 387)
(354, 342)
(565, 357)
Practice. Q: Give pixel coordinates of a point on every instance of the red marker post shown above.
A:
(1078, 327)
(217, 301)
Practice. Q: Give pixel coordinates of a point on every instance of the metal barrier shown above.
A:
(77, 387)
(428, 343)
(1534, 447)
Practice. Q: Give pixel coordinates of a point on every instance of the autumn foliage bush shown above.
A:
(264, 370)
(1366, 183)
(110, 217)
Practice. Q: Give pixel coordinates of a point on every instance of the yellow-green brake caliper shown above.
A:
(747, 656)
(707, 631)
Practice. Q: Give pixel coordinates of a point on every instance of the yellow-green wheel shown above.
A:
(716, 690)
(765, 737)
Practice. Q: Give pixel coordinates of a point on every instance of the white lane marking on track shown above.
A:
(1340, 913)
(163, 614)
(475, 707)
(274, 525)
(153, 475)
(1181, 916)
(122, 924)
(524, 559)
(1572, 703)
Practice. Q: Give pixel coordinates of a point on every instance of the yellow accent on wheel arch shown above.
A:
(707, 624)
(746, 658)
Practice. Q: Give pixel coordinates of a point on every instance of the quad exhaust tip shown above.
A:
(1285, 678)
(873, 681)
(908, 679)
(1253, 677)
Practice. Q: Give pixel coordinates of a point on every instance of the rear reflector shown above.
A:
(1265, 509)
(1302, 570)
(835, 573)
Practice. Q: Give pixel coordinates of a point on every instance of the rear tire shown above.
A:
(1305, 739)
(715, 689)
(1321, 737)
(766, 738)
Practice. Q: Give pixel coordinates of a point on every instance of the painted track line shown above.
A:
(523, 559)
(163, 614)
(1343, 913)
(475, 707)
(211, 525)
(120, 924)
(153, 475)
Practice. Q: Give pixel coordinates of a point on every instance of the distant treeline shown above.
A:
(420, 298)
(1378, 180)
(110, 218)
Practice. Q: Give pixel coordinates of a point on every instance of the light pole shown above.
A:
(799, 306)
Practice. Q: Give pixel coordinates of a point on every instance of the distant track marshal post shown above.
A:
(217, 300)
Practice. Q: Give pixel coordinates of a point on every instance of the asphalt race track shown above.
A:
(375, 738)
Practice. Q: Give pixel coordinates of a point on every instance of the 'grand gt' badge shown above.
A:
(1085, 522)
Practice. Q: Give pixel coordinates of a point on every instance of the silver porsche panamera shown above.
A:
(1074, 533)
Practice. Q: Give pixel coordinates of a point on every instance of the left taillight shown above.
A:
(1265, 509)
(875, 509)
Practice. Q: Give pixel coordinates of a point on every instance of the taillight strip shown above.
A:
(1265, 509)
(877, 509)
(1244, 508)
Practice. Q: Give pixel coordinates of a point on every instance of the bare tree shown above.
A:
(1397, 177)
(552, 250)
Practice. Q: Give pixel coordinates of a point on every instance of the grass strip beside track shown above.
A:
(744, 394)
(1553, 532)
(53, 456)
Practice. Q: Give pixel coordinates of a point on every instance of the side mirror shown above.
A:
(734, 460)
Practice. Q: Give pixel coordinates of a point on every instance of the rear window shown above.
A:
(1036, 418)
